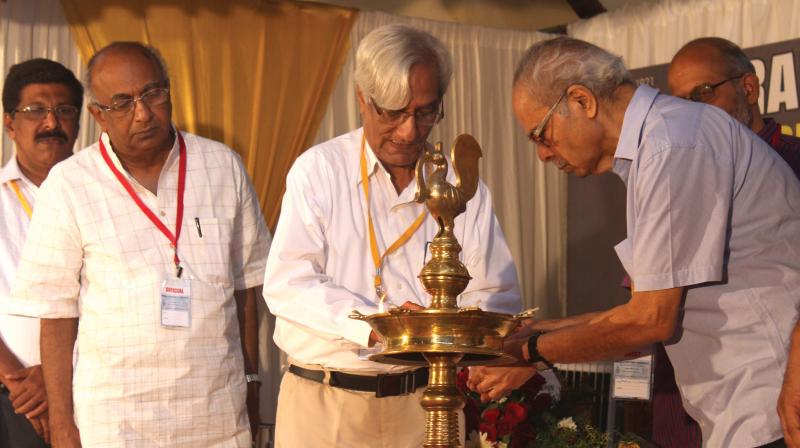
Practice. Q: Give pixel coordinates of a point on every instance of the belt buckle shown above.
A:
(392, 385)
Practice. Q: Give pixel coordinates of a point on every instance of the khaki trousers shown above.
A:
(315, 415)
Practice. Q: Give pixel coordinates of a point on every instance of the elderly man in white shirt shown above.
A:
(713, 215)
(42, 101)
(152, 239)
(322, 265)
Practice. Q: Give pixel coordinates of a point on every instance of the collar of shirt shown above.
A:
(11, 171)
(632, 126)
(375, 168)
(172, 158)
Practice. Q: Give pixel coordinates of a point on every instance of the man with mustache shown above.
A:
(42, 102)
(351, 237)
(144, 251)
(713, 215)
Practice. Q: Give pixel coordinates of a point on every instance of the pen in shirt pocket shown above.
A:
(199, 229)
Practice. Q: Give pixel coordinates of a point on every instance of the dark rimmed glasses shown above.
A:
(536, 135)
(705, 92)
(125, 104)
(426, 117)
(37, 112)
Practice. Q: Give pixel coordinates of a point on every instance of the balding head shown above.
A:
(125, 49)
(726, 55)
(716, 71)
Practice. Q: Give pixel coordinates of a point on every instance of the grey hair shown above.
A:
(734, 61)
(547, 68)
(384, 59)
(149, 52)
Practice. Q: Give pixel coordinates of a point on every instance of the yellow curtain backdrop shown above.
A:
(254, 74)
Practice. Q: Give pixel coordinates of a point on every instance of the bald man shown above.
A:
(143, 250)
(716, 71)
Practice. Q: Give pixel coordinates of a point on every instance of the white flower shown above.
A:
(485, 443)
(478, 440)
(473, 440)
(568, 423)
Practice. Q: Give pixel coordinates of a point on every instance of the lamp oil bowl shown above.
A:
(444, 336)
(408, 335)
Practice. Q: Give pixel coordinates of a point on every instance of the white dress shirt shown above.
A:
(320, 267)
(19, 333)
(93, 254)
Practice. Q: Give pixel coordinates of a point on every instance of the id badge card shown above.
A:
(176, 304)
(633, 378)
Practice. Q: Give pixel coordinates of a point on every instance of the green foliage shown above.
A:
(552, 432)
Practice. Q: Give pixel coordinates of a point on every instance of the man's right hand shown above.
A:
(26, 391)
(41, 426)
(28, 397)
(494, 383)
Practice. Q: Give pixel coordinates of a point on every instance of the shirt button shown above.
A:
(400, 287)
(163, 213)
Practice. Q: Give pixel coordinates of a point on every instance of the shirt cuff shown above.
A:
(29, 308)
(686, 277)
(357, 331)
(253, 276)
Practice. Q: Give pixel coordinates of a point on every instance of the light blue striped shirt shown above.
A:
(712, 208)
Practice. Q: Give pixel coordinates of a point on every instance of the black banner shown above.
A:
(777, 67)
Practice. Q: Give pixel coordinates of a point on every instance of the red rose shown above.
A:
(514, 413)
(490, 431)
(490, 416)
(503, 429)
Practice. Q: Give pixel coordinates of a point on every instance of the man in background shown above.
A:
(42, 102)
(352, 237)
(145, 249)
(716, 71)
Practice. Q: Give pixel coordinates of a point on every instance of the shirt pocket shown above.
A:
(209, 250)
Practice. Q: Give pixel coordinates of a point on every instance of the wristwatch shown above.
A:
(252, 378)
(534, 357)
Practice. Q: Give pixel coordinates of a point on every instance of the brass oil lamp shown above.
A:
(444, 336)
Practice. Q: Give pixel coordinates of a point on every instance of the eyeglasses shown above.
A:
(124, 104)
(705, 92)
(422, 117)
(536, 134)
(37, 112)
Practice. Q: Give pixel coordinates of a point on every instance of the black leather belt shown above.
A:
(385, 385)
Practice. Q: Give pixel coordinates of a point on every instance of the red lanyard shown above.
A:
(173, 239)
